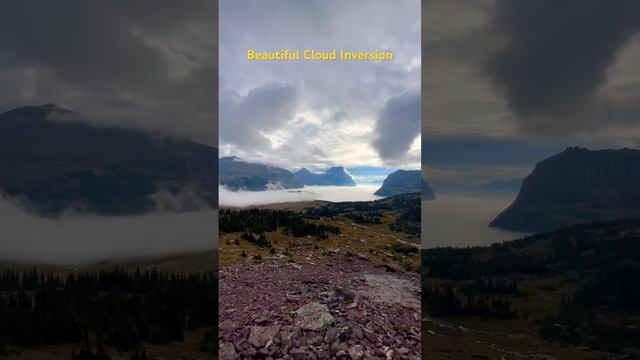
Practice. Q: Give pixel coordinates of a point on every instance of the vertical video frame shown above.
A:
(108, 172)
(531, 240)
(319, 245)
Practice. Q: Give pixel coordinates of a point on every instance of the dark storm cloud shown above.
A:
(397, 126)
(129, 63)
(555, 59)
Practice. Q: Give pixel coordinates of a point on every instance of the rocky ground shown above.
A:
(344, 307)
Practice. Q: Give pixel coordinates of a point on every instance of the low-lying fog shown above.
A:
(463, 221)
(308, 193)
(75, 239)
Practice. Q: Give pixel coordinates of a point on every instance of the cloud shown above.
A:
(77, 239)
(309, 193)
(336, 101)
(246, 120)
(117, 62)
(462, 98)
(555, 60)
(397, 126)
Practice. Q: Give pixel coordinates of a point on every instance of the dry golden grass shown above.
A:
(372, 240)
(486, 338)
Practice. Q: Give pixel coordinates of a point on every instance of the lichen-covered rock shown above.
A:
(228, 351)
(356, 352)
(313, 316)
(260, 335)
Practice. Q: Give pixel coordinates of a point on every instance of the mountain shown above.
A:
(336, 175)
(404, 182)
(576, 186)
(237, 174)
(426, 191)
(51, 160)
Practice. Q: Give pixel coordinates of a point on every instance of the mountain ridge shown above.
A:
(405, 182)
(59, 165)
(335, 175)
(576, 186)
(237, 174)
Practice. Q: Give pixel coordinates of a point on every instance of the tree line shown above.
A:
(260, 221)
(116, 308)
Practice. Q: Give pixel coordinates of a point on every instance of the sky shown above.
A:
(117, 63)
(508, 83)
(320, 114)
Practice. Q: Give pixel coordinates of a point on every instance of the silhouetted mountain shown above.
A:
(237, 174)
(51, 160)
(404, 182)
(576, 186)
(426, 191)
(336, 175)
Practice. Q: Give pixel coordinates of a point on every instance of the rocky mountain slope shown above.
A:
(238, 174)
(427, 192)
(337, 176)
(576, 186)
(405, 182)
(52, 160)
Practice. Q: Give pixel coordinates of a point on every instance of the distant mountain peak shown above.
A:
(336, 175)
(232, 158)
(575, 186)
(336, 170)
(72, 165)
(34, 111)
(238, 174)
(401, 182)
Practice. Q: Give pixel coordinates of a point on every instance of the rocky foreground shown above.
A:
(346, 307)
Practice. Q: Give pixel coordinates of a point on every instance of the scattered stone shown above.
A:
(393, 268)
(362, 257)
(260, 335)
(313, 316)
(313, 313)
(344, 294)
(332, 334)
(299, 353)
(227, 325)
(228, 352)
(356, 331)
(356, 352)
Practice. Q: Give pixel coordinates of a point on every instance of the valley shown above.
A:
(321, 280)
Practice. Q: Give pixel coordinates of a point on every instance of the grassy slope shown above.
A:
(477, 337)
